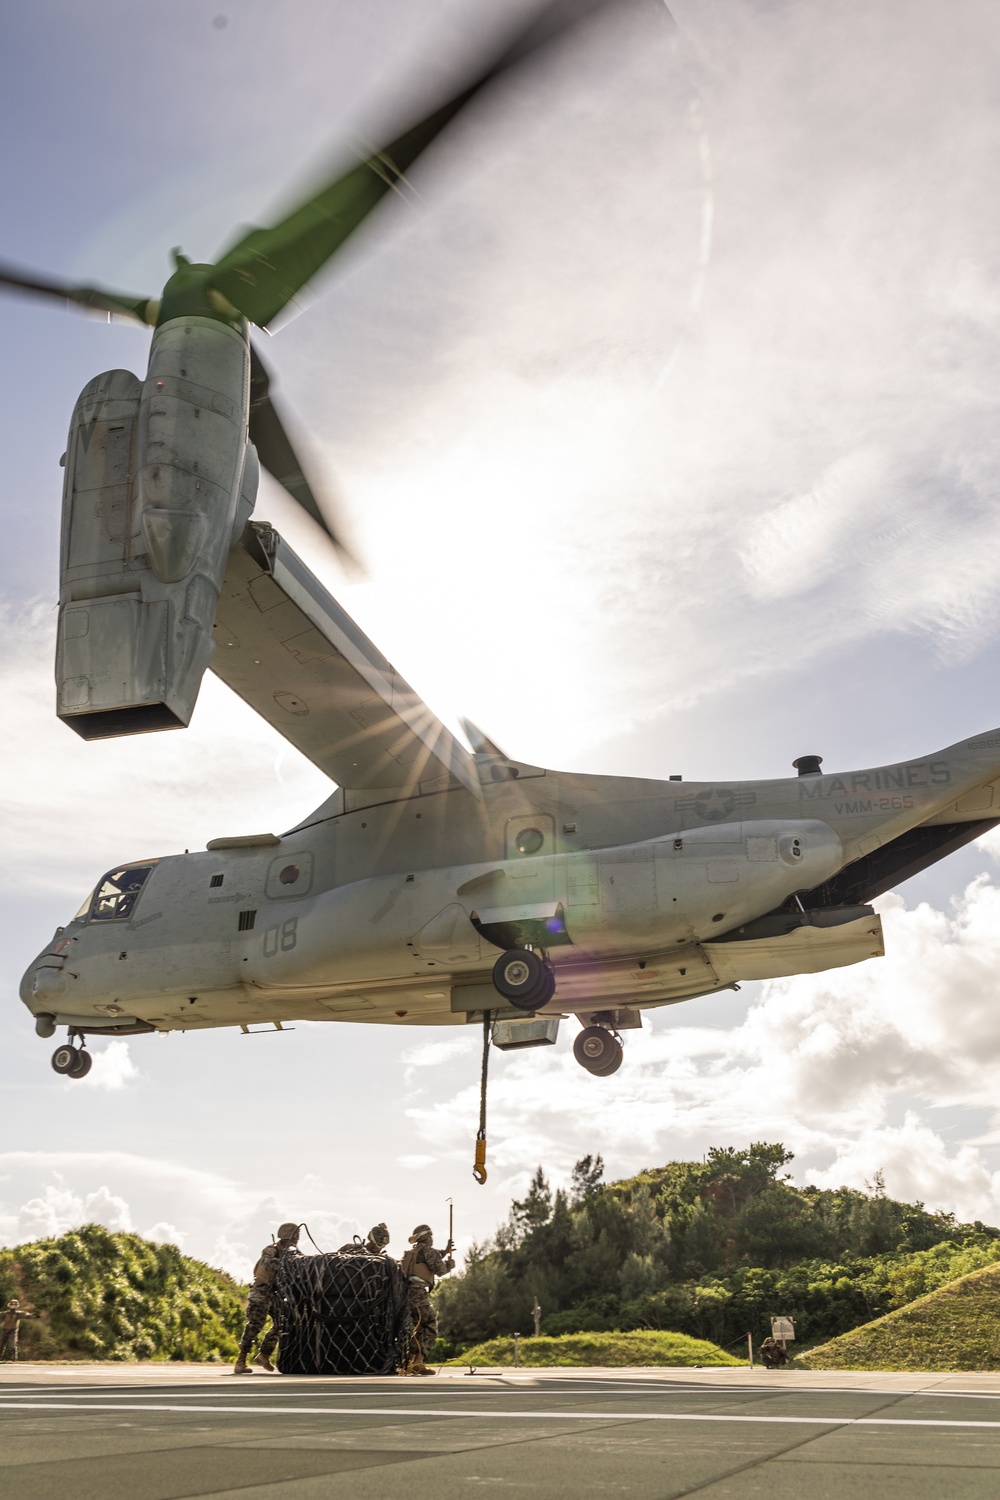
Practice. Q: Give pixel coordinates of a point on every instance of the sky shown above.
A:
(664, 417)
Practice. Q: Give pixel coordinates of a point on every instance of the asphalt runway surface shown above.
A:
(156, 1433)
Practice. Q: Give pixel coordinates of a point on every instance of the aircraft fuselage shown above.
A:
(639, 893)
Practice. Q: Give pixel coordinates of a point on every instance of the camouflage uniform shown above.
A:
(772, 1354)
(10, 1322)
(421, 1266)
(261, 1299)
(378, 1238)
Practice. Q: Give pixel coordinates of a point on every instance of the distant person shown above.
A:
(421, 1265)
(773, 1354)
(10, 1323)
(260, 1302)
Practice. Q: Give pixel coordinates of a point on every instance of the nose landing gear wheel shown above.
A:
(598, 1051)
(523, 979)
(65, 1058)
(72, 1061)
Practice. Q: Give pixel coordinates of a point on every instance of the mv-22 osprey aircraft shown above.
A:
(437, 885)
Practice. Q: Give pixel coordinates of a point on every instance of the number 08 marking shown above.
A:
(281, 937)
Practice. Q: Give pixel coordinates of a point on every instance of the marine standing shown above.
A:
(10, 1322)
(421, 1265)
(260, 1302)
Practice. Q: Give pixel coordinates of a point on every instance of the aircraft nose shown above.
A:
(45, 982)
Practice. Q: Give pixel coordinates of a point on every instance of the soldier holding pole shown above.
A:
(422, 1265)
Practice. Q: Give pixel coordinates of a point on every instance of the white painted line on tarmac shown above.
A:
(497, 1416)
(48, 1394)
(499, 1385)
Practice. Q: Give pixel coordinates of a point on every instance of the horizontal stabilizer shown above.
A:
(288, 649)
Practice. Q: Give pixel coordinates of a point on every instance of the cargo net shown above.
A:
(341, 1314)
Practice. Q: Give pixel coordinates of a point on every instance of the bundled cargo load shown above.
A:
(341, 1314)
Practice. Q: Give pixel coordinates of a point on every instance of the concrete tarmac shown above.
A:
(162, 1432)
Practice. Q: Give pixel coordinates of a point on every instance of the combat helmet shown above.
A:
(422, 1231)
(379, 1235)
(288, 1231)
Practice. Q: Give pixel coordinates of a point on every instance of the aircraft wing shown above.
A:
(288, 649)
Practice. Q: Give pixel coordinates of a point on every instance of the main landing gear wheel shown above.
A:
(523, 979)
(72, 1061)
(597, 1050)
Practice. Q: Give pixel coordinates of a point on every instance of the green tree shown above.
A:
(534, 1210)
(712, 1248)
(588, 1175)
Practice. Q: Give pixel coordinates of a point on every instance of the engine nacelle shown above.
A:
(691, 887)
(159, 482)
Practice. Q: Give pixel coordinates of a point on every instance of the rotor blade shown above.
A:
(276, 454)
(92, 297)
(262, 272)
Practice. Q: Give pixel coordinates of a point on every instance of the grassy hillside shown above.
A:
(639, 1348)
(115, 1296)
(956, 1327)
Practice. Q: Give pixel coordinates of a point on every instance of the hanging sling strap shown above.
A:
(479, 1170)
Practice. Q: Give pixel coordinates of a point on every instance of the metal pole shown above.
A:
(750, 1348)
(516, 1337)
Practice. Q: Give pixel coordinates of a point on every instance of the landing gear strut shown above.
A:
(598, 1050)
(523, 978)
(72, 1061)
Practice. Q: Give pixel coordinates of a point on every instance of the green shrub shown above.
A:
(116, 1296)
(597, 1349)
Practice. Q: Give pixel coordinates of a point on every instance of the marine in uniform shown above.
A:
(260, 1302)
(422, 1265)
(10, 1322)
(378, 1238)
(772, 1354)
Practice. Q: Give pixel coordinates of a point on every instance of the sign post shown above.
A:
(783, 1329)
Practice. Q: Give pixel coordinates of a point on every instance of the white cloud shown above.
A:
(53, 1212)
(58, 1209)
(432, 1054)
(917, 1165)
(107, 1208)
(165, 1234)
(215, 1218)
(112, 1067)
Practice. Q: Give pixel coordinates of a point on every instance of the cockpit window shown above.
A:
(118, 892)
(84, 908)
